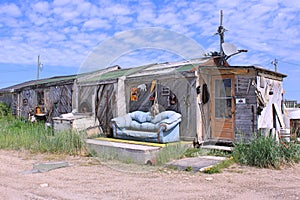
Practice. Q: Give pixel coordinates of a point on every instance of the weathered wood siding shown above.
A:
(245, 113)
(58, 100)
(105, 105)
(6, 98)
(27, 102)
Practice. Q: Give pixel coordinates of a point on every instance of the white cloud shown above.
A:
(41, 7)
(117, 9)
(11, 10)
(93, 24)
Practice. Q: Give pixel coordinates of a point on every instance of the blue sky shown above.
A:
(64, 33)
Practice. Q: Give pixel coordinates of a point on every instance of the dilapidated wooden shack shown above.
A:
(217, 102)
(243, 100)
(46, 98)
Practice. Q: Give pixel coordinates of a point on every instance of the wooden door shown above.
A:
(223, 107)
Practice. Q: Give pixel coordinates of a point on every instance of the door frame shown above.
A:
(223, 128)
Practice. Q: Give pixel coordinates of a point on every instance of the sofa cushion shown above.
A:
(140, 116)
(140, 134)
(162, 116)
(123, 121)
(171, 119)
(146, 126)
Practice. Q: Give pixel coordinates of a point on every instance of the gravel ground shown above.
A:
(89, 178)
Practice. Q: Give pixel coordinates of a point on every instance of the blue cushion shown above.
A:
(171, 119)
(147, 126)
(140, 116)
(123, 121)
(134, 125)
(161, 116)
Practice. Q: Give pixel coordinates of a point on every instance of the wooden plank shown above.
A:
(224, 125)
(224, 148)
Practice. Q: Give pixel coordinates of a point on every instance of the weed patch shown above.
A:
(264, 152)
(218, 168)
(170, 152)
(222, 153)
(192, 152)
(18, 134)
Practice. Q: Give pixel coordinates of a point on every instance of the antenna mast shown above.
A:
(275, 63)
(221, 31)
(39, 66)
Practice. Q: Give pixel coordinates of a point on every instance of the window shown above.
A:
(223, 105)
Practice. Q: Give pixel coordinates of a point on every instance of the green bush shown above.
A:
(265, 152)
(4, 110)
(192, 152)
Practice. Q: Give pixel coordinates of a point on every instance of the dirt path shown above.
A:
(88, 178)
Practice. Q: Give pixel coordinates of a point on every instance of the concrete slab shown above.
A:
(196, 163)
(141, 154)
(124, 145)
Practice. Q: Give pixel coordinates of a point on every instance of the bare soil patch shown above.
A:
(89, 178)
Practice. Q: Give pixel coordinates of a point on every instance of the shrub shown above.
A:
(192, 152)
(265, 152)
(4, 110)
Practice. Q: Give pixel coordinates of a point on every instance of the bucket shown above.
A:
(38, 110)
(285, 135)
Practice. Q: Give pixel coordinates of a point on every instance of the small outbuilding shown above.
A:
(44, 98)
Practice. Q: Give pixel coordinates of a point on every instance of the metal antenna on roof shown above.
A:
(221, 31)
(39, 66)
(226, 49)
(275, 63)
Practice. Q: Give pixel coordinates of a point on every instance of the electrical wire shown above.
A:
(290, 63)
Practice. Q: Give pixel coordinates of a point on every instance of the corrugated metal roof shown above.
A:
(188, 67)
(111, 75)
(55, 79)
(31, 83)
(145, 70)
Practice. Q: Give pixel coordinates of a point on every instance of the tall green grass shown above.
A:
(265, 152)
(170, 152)
(17, 134)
